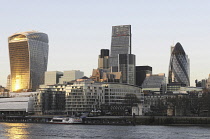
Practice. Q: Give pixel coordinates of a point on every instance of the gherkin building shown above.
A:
(28, 52)
(179, 67)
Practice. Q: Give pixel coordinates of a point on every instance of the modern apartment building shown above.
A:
(50, 100)
(83, 95)
(88, 95)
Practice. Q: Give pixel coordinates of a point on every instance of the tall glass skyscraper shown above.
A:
(127, 66)
(179, 67)
(121, 44)
(28, 53)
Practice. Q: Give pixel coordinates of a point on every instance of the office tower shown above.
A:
(155, 83)
(141, 72)
(103, 60)
(8, 82)
(179, 67)
(197, 83)
(121, 44)
(208, 82)
(52, 77)
(203, 83)
(104, 75)
(127, 64)
(28, 53)
(70, 75)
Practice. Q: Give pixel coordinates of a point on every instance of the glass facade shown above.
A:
(103, 59)
(121, 44)
(179, 68)
(127, 66)
(28, 53)
(155, 83)
(141, 72)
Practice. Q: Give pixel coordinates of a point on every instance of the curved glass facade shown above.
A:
(28, 60)
(179, 68)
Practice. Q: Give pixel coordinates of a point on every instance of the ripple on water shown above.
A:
(49, 131)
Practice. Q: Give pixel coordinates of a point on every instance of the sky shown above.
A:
(78, 29)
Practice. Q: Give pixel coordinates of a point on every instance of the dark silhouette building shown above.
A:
(103, 59)
(127, 63)
(141, 72)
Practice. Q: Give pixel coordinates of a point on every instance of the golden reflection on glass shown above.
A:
(17, 84)
(16, 130)
(28, 52)
(19, 39)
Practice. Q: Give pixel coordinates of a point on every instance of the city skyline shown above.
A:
(160, 25)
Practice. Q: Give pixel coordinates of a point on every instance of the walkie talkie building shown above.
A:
(28, 52)
(179, 68)
(121, 44)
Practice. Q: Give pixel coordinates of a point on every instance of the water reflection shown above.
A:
(16, 130)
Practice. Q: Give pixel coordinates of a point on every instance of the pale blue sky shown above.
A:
(79, 29)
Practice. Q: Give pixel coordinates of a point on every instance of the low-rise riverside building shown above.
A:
(50, 100)
(184, 102)
(4, 92)
(17, 104)
(83, 95)
(88, 95)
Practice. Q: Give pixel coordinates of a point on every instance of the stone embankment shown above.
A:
(118, 120)
(147, 120)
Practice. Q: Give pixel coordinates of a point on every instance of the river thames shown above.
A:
(53, 131)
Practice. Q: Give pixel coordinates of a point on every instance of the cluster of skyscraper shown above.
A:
(120, 65)
(29, 55)
(116, 77)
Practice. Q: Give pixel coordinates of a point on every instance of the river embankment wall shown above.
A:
(120, 120)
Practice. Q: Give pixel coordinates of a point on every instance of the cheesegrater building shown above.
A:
(179, 68)
(28, 52)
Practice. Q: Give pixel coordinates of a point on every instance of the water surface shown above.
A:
(54, 131)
